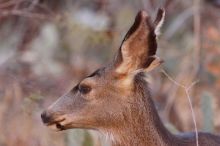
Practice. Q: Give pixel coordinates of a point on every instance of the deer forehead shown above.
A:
(112, 82)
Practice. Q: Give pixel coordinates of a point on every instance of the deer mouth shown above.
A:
(56, 125)
(61, 124)
(53, 121)
(66, 124)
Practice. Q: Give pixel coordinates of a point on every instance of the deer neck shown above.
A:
(142, 125)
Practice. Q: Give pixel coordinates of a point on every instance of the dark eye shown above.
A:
(84, 89)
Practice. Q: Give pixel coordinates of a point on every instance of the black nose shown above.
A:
(46, 117)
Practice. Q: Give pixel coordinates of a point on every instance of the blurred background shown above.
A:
(47, 46)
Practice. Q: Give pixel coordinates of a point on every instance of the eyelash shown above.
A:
(84, 89)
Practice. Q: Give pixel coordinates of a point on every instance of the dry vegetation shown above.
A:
(46, 46)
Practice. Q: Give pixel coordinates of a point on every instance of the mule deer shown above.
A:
(116, 100)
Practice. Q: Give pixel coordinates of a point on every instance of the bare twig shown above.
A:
(173, 88)
(186, 89)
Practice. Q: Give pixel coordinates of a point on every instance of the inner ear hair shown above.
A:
(152, 63)
(158, 22)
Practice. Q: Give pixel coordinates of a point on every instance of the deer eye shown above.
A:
(84, 89)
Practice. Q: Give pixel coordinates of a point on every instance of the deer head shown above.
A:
(101, 100)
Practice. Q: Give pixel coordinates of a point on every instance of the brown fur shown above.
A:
(116, 100)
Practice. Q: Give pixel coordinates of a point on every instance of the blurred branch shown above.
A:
(179, 21)
(167, 3)
(31, 11)
(147, 4)
(10, 3)
(197, 34)
(4, 13)
(208, 113)
(186, 89)
(33, 4)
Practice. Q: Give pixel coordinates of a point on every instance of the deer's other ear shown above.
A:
(138, 44)
(158, 22)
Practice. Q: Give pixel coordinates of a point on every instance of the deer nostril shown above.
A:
(46, 118)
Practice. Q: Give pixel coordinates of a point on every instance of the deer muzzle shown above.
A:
(52, 121)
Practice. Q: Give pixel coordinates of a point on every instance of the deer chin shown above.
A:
(56, 127)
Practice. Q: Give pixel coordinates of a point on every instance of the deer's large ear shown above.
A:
(139, 46)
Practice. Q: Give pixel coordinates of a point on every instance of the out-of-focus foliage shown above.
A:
(46, 46)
